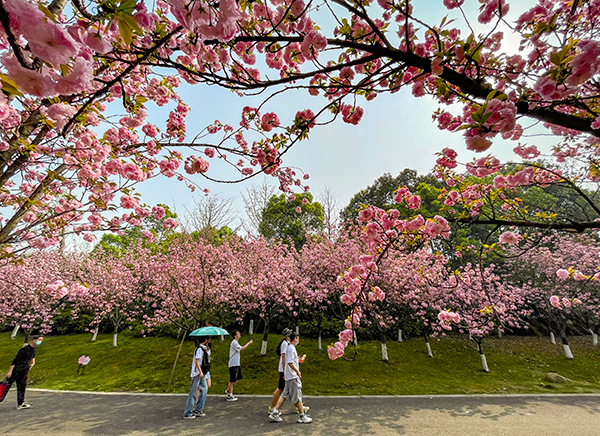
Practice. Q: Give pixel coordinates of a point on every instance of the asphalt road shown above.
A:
(71, 413)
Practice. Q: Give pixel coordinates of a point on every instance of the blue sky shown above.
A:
(396, 132)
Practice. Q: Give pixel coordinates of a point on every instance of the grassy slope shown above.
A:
(517, 365)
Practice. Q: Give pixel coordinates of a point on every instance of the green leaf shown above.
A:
(125, 30)
(9, 85)
(47, 12)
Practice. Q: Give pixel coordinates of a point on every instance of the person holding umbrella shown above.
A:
(198, 390)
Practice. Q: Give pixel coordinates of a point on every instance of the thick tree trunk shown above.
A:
(429, 351)
(566, 348)
(13, 335)
(399, 335)
(484, 364)
(251, 328)
(384, 353)
(319, 344)
(594, 337)
(115, 335)
(263, 347)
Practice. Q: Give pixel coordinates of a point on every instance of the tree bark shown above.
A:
(13, 335)
(263, 348)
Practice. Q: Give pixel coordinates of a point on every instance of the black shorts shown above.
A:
(281, 385)
(235, 374)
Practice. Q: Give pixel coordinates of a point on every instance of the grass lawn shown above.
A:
(517, 365)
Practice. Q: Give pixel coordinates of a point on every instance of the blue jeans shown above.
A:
(197, 382)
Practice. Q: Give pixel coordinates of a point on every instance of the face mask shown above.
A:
(38, 342)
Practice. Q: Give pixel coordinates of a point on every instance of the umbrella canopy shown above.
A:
(209, 331)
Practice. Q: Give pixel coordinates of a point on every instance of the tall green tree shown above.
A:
(381, 194)
(288, 219)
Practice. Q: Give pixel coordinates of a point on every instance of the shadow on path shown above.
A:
(66, 413)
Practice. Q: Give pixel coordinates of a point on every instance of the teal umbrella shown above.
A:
(209, 331)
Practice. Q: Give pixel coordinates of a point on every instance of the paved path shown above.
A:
(69, 413)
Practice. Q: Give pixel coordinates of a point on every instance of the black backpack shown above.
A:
(278, 349)
(205, 364)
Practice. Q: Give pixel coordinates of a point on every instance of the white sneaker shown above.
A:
(304, 419)
(231, 398)
(24, 406)
(275, 416)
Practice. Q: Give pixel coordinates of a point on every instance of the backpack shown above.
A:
(205, 364)
(278, 349)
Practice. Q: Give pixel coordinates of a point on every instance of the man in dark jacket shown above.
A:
(21, 364)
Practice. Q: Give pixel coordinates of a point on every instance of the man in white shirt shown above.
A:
(281, 385)
(293, 385)
(235, 370)
(198, 381)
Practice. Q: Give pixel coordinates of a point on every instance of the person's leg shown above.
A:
(21, 380)
(189, 405)
(276, 396)
(278, 391)
(208, 381)
(202, 397)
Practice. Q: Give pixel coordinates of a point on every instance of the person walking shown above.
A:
(19, 370)
(200, 367)
(281, 349)
(235, 370)
(293, 384)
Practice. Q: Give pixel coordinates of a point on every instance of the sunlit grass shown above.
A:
(517, 365)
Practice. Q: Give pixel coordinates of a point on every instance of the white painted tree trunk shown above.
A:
(319, 344)
(263, 348)
(552, 338)
(499, 334)
(399, 335)
(355, 338)
(594, 337)
(429, 352)
(470, 337)
(115, 339)
(384, 353)
(95, 334)
(222, 336)
(298, 330)
(13, 335)
(178, 333)
(567, 350)
(251, 329)
(484, 363)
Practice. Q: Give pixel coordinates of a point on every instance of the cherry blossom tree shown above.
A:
(270, 283)
(556, 302)
(320, 262)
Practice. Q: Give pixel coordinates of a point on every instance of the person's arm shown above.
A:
(10, 370)
(296, 370)
(197, 362)
(32, 363)
(249, 342)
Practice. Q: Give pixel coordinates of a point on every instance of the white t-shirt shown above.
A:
(291, 356)
(284, 346)
(199, 355)
(234, 353)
